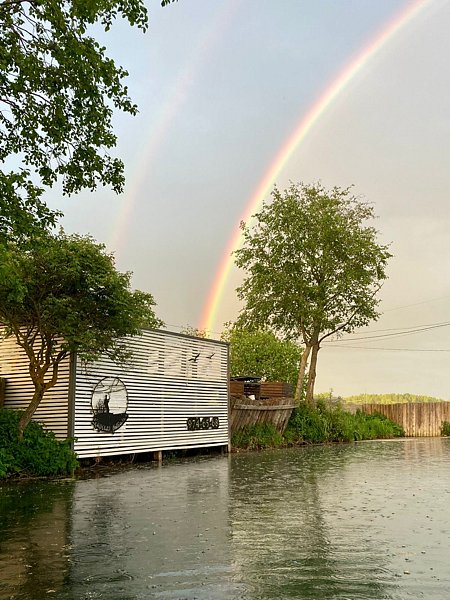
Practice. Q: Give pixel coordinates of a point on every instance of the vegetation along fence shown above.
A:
(417, 419)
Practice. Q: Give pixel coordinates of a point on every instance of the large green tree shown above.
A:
(313, 268)
(260, 353)
(65, 295)
(58, 92)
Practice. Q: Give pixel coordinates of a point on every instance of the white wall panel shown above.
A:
(170, 379)
(53, 410)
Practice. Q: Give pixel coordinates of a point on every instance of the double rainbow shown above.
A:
(302, 129)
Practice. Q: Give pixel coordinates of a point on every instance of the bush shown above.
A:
(38, 453)
(257, 437)
(308, 424)
(318, 424)
(445, 428)
(376, 426)
(322, 423)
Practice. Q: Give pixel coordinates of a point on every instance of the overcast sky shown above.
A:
(220, 85)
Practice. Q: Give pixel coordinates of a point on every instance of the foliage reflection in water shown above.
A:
(366, 521)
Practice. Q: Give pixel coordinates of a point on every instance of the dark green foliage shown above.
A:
(308, 424)
(65, 295)
(257, 437)
(376, 426)
(445, 428)
(23, 214)
(313, 267)
(318, 425)
(38, 453)
(323, 424)
(260, 353)
(58, 92)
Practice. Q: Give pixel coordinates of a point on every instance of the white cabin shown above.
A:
(173, 394)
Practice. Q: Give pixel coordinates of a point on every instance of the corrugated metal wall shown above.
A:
(53, 410)
(171, 378)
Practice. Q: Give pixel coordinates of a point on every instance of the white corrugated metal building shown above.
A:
(173, 394)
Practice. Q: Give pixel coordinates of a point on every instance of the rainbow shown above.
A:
(170, 110)
(301, 130)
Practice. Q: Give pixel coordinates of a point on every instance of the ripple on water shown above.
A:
(365, 521)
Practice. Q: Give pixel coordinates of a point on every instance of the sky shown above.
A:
(221, 86)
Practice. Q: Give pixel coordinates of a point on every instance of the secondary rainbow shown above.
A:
(158, 130)
(302, 129)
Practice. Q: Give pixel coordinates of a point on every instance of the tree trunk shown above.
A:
(301, 374)
(40, 387)
(312, 374)
(39, 390)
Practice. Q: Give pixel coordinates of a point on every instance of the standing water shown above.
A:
(370, 520)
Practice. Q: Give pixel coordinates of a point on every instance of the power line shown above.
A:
(391, 349)
(416, 303)
(400, 333)
(407, 327)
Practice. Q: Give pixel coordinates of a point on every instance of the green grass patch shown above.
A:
(445, 428)
(257, 437)
(323, 424)
(318, 424)
(39, 453)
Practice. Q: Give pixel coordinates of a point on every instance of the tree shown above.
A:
(313, 268)
(260, 353)
(58, 90)
(65, 295)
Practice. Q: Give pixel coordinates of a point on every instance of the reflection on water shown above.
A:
(365, 521)
(34, 541)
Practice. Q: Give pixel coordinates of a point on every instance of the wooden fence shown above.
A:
(253, 414)
(260, 402)
(417, 419)
(261, 390)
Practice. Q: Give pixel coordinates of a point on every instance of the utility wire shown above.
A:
(391, 349)
(416, 303)
(390, 335)
(400, 329)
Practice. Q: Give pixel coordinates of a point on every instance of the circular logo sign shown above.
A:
(109, 404)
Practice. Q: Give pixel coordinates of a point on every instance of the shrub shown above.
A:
(376, 426)
(445, 428)
(307, 424)
(38, 453)
(322, 423)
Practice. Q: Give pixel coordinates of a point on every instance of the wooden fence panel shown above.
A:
(276, 389)
(250, 414)
(417, 419)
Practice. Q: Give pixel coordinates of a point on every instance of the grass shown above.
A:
(257, 437)
(445, 428)
(318, 424)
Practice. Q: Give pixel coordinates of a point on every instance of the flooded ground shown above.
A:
(370, 520)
